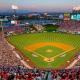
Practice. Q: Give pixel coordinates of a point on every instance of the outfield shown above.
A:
(47, 50)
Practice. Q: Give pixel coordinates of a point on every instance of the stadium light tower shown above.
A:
(14, 8)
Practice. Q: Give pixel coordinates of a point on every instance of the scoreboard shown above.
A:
(75, 16)
(66, 16)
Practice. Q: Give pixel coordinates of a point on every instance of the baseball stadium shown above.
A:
(41, 45)
(49, 45)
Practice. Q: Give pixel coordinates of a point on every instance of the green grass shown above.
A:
(54, 51)
(20, 41)
(50, 27)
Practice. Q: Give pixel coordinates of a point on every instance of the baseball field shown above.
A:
(47, 50)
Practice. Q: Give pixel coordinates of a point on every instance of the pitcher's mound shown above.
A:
(49, 50)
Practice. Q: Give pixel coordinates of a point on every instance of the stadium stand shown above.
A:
(7, 56)
(21, 73)
(16, 29)
(12, 69)
(69, 26)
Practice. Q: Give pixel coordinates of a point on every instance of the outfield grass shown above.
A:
(24, 40)
(50, 27)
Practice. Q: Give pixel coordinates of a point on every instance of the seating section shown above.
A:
(68, 26)
(16, 29)
(21, 73)
(65, 26)
(7, 57)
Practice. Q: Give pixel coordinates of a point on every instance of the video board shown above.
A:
(66, 16)
(75, 16)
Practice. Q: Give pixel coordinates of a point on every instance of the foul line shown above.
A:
(37, 53)
(51, 57)
(62, 53)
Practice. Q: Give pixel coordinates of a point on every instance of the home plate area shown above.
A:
(48, 59)
(49, 51)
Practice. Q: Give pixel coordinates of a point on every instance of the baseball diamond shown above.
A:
(50, 49)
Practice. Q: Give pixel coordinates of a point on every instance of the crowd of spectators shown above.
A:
(7, 57)
(22, 73)
(16, 29)
(65, 26)
(68, 26)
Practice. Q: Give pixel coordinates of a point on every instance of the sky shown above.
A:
(40, 5)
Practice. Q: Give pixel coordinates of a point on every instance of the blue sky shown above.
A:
(41, 5)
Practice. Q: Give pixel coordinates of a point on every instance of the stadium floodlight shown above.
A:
(14, 7)
(76, 8)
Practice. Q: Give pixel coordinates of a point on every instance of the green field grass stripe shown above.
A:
(37, 54)
(62, 53)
